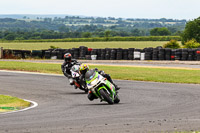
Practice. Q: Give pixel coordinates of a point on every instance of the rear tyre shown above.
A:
(106, 96)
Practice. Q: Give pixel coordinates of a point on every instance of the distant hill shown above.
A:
(32, 16)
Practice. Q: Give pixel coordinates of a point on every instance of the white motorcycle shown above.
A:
(76, 78)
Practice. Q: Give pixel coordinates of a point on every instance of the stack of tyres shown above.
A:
(113, 54)
(178, 54)
(17, 54)
(161, 54)
(47, 54)
(137, 54)
(37, 53)
(67, 51)
(108, 51)
(119, 54)
(148, 53)
(75, 53)
(26, 54)
(7, 53)
(103, 54)
(88, 57)
(71, 51)
(168, 54)
(60, 53)
(130, 53)
(173, 51)
(155, 54)
(198, 54)
(83, 51)
(184, 54)
(125, 54)
(98, 54)
(43, 53)
(191, 54)
(94, 53)
(54, 54)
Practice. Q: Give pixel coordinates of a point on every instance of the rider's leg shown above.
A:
(109, 78)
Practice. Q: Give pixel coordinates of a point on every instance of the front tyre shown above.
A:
(116, 100)
(106, 96)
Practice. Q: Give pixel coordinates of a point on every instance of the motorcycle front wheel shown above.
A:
(106, 96)
(116, 100)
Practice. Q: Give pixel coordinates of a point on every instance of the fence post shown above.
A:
(1, 52)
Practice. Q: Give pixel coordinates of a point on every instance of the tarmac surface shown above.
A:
(144, 107)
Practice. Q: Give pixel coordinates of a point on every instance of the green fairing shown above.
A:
(108, 83)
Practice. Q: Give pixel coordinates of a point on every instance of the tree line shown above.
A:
(87, 27)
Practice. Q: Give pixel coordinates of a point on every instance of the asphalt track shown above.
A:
(144, 107)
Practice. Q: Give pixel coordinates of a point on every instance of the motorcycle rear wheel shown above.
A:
(106, 96)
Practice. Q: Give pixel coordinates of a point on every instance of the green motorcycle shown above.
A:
(101, 87)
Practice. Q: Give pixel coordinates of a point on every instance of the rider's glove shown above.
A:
(102, 72)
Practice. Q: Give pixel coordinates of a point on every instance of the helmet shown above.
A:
(83, 68)
(68, 57)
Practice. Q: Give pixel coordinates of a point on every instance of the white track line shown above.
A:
(33, 106)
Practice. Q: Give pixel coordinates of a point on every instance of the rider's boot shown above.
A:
(71, 81)
(75, 87)
(116, 87)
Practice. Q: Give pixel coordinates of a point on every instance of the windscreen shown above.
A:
(90, 75)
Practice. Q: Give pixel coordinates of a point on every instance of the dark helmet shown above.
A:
(83, 68)
(67, 57)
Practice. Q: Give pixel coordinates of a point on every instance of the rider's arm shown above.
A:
(63, 66)
(74, 61)
(99, 71)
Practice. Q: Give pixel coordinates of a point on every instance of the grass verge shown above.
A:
(8, 103)
(67, 45)
(169, 75)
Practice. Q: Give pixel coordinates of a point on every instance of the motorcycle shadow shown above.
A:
(102, 104)
(75, 93)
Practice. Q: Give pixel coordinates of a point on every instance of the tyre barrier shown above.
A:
(16, 54)
(83, 53)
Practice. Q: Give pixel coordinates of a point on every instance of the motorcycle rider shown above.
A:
(84, 68)
(67, 65)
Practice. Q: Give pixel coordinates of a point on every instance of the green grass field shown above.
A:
(8, 103)
(66, 45)
(169, 75)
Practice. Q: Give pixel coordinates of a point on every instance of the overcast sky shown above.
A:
(176, 9)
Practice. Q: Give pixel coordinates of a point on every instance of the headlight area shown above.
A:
(94, 82)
